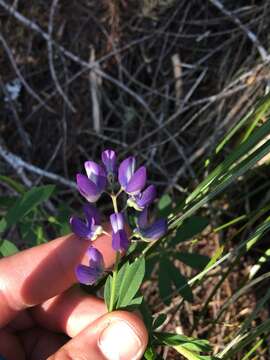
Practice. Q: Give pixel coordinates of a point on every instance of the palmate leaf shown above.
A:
(190, 348)
(191, 355)
(131, 282)
(189, 228)
(196, 261)
(107, 291)
(168, 276)
(128, 281)
(164, 283)
(159, 321)
(7, 248)
(171, 339)
(7, 201)
(165, 205)
(27, 203)
(150, 354)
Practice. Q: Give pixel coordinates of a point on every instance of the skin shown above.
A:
(45, 315)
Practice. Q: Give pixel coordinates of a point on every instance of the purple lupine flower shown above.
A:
(88, 275)
(119, 236)
(143, 199)
(149, 232)
(92, 185)
(109, 160)
(90, 228)
(130, 180)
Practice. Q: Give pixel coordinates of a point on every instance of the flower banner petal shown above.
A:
(109, 160)
(126, 171)
(87, 188)
(137, 182)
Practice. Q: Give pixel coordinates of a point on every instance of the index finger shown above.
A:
(37, 274)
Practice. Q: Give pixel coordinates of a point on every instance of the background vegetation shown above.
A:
(182, 85)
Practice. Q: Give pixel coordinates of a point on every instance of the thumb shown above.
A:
(119, 335)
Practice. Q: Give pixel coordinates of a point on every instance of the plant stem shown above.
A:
(114, 276)
(114, 201)
(117, 259)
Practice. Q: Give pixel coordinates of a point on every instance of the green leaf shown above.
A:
(7, 248)
(7, 201)
(147, 316)
(164, 282)
(181, 284)
(193, 260)
(131, 282)
(107, 291)
(3, 225)
(159, 320)
(119, 279)
(28, 202)
(169, 274)
(170, 339)
(243, 158)
(62, 220)
(19, 188)
(40, 235)
(190, 348)
(149, 353)
(27, 232)
(150, 263)
(189, 228)
(191, 355)
(165, 205)
(136, 301)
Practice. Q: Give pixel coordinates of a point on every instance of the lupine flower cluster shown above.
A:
(102, 178)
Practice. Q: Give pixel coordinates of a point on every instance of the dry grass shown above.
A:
(164, 82)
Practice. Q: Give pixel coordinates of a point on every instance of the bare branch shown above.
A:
(20, 166)
(251, 35)
(20, 76)
(50, 56)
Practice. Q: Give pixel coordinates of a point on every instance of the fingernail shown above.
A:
(119, 341)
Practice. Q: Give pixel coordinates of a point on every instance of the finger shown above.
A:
(22, 321)
(37, 274)
(10, 347)
(117, 335)
(39, 344)
(70, 312)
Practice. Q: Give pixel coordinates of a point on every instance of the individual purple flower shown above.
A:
(88, 275)
(130, 180)
(143, 199)
(92, 185)
(149, 232)
(109, 160)
(90, 228)
(119, 236)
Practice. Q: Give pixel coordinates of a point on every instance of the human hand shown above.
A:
(43, 317)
